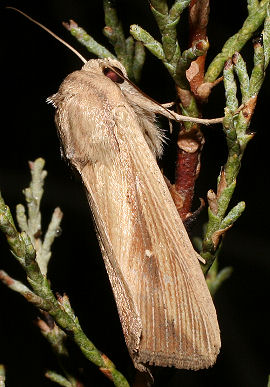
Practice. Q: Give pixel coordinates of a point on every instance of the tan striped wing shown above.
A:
(165, 308)
(145, 242)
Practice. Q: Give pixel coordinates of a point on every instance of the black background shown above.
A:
(32, 67)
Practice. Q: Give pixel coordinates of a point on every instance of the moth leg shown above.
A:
(170, 126)
(201, 259)
(192, 217)
(168, 104)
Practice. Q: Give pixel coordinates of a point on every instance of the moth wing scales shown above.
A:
(128, 313)
(172, 257)
(151, 263)
(73, 126)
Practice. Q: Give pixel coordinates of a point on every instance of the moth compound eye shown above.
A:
(108, 71)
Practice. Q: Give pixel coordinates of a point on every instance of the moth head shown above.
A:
(116, 72)
(110, 68)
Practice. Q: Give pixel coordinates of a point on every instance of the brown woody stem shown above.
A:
(187, 167)
(190, 139)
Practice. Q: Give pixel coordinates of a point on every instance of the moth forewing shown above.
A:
(108, 133)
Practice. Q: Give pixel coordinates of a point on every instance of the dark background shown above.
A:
(32, 67)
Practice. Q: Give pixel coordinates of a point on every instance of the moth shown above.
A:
(108, 133)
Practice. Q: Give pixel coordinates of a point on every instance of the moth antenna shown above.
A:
(51, 33)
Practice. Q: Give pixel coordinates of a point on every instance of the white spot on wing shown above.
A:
(148, 253)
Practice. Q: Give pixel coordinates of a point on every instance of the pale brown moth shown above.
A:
(108, 133)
